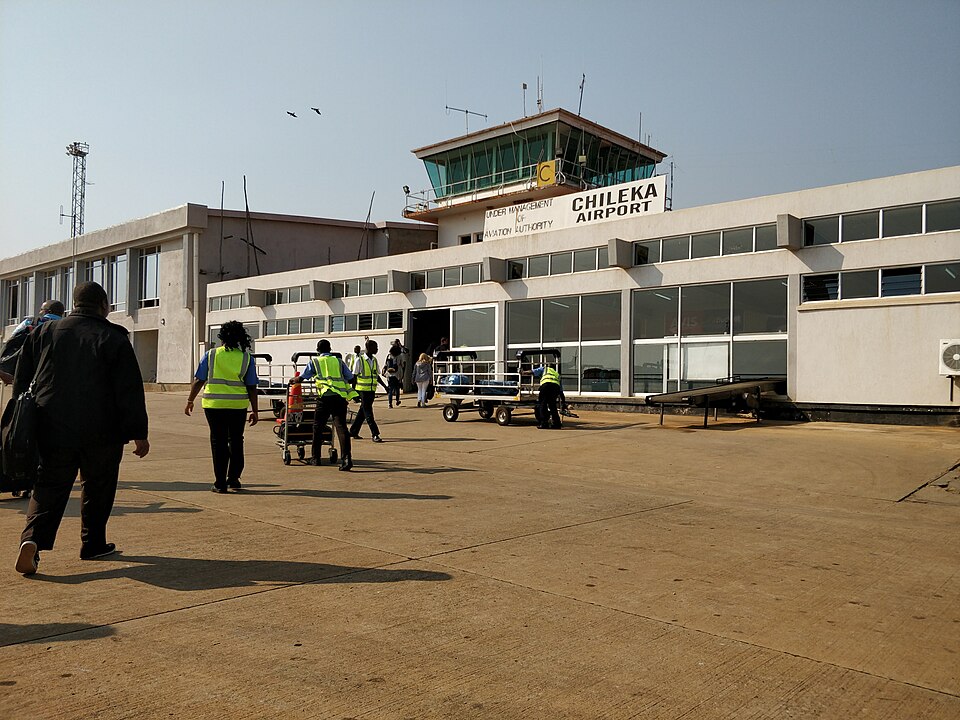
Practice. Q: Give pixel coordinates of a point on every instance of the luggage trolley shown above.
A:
(294, 428)
(494, 389)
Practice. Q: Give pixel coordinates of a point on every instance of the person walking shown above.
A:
(423, 376)
(550, 392)
(367, 372)
(333, 381)
(49, 310)
(230, 376)
(391, 370)
(90, 400)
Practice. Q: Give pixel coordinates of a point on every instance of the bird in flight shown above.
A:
(291, 114)
(316, 110)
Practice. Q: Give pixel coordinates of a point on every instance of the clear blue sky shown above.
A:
(747, 97)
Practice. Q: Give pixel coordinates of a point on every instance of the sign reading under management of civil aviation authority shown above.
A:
(617, 202)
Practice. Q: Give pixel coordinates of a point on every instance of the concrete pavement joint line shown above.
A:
(553, 529)
(929, 482)
(696, 630)
(355, 571)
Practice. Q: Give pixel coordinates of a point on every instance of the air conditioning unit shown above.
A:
(950, 357)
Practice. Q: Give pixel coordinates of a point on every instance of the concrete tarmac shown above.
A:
(614, 569)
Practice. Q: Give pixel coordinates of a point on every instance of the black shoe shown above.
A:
(377, 438)
(234, 485)
(346, 463)
(356, 436)
(92, 552)
(315, 461)
(29, 559)
(333, 456)
(222, 489)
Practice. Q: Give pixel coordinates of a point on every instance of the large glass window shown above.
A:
(821, 231)
(655, 367)
(561, 319)
(474, 327)
(148, 288)
(68, 285)
(859, 284)
(538, 266)
(675, 248)
(585, 260)
(471, 274)
(705, 310)
(943, 216)
(766, 237)
(600, 317)
(821, 287)
(899, 281)
(861, 226)
(760, 306)
(705, 245)
(737, 241)
(118, 282)
(655, 313)
(760, 358)
(561, 263)
(49, 288)
(646, 252)
(903, 221)
(942, 278)
(523, 322)
(96, 271)
(434, 278)
(600, 368)
(13, 301)
(451, 276)
(704, 363)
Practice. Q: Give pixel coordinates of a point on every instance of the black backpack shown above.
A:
(11, 351)
(20, 448)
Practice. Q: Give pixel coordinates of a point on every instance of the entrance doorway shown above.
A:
(427, 327)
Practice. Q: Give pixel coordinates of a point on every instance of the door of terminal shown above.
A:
(426, 329)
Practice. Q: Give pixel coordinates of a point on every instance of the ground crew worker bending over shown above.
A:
(333, 380)
(368, 375)
(550, 391)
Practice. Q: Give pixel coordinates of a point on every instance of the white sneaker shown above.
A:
(28, 559)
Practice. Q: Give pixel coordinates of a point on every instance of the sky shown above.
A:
(747, 98)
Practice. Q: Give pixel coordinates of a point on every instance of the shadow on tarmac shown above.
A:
(11, 634)
(300, 492)
(193, 574)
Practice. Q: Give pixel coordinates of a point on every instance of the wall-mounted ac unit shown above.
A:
(950, 357)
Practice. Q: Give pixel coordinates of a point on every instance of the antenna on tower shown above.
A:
(540, 91)
(467, 114)
(524, 99)
(582, 83)
(79, 151)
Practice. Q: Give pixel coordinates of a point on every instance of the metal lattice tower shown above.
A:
(79, 150)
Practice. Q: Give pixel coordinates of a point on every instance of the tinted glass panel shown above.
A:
(646, 252)
(366, 286)
(561, 263)
(337, 323)
(760, 306)
(434, 278)
(821, 231)
(705, 310)
(655, 313)
(603, 258)
(859, 284)
(821, 287)
(766, 237)
(705, 245)
(760, 358)
(561, 319)
(861, 226)
(943, 216)
(418, 281)
(473, 327)
(737, 241)
(515, 269)
(537, 266)
(569, 371)
(584, 260)
(451, 276)
(353, 287)
(651, 367)
(902, 221)
(471, 274)
(943, 278)
(704, 363)
(900, 281)
(380, 321)
(675, 248)
(523, 322)
(600, 317)
(380, 284)
(600, 368)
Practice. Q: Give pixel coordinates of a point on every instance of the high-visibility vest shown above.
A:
(225, 388)
(367, 377)
(328, 378)
(550, 376)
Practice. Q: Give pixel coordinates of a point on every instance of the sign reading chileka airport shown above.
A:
(616, 202)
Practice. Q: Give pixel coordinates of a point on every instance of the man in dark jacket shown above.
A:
(90, 401)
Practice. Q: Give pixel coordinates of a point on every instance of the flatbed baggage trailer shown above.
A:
(492, 388)
(732, 392)
(294, 428)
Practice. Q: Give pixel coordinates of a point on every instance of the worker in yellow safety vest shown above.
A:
(228, 377)
(333, 380)
(367, 371)
(550, 392)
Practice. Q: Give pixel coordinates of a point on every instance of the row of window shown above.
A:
(446, 277)
(357, 287)
(226, 302)
(882, 282)
(562, 263)
(281, 296)
(883, 223)
(110, 272)
(366, 321)
(294, 326)
(701, 245)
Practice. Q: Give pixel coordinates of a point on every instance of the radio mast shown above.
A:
(79, 151)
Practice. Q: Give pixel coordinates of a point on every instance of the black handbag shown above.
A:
(21, 454)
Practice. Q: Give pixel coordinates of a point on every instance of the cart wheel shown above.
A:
(503, 415)
(333, 456)
(286, 457)
(299, 452)
(278, 429)
(450, 412)
(278, 408)
(485, 411)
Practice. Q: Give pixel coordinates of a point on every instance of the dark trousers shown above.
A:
(365, 413)
(547, 405)
(393, 390)
(99, 468)
(226, 442)
(336, 407)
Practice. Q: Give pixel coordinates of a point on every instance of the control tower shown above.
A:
(541, 156)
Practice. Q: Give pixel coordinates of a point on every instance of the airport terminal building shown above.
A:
(555, 232)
